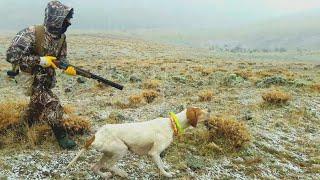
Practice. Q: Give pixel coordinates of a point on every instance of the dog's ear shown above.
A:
(193, 115)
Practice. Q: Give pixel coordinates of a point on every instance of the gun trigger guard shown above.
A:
(63, 65)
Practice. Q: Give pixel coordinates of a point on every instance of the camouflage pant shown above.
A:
(45, 107)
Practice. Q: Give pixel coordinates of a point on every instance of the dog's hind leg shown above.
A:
(96, 167)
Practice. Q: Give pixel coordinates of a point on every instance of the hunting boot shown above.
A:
(62, 137)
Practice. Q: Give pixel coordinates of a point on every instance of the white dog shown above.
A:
(149, 137)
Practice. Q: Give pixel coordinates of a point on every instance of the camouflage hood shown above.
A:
(55, 14)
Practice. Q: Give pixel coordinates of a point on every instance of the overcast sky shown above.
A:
(131, 14)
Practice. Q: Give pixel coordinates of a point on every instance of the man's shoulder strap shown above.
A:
(60, 45)
(39, 34)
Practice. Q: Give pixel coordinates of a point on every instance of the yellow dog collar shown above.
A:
(176, 123)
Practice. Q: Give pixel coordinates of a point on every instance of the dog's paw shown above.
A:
(107, 175)
(119, 172)
(166, 167)
(168, 174)
(123, 174)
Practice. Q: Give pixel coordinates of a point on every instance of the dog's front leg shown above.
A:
(96, 168)
(156, 158)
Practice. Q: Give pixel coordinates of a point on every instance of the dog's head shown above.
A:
(195, 115)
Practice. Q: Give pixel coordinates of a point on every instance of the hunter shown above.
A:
(33, 51)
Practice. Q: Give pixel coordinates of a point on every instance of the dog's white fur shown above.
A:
(143, 138)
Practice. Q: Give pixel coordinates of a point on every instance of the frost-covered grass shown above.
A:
(160, 78)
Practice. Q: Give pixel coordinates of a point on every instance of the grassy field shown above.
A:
(265, 114)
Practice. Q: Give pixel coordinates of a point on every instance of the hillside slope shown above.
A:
(160, 78)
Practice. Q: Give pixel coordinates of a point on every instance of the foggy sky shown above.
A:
(133, 14)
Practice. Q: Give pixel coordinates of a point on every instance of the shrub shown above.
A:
(276, 97)
(150, 95)
(230, 131)
(274, 80)
(205, 95)
(233, 80)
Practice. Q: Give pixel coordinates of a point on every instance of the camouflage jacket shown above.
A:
(22, 49)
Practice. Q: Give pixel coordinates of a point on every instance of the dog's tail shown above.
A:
(86, 147)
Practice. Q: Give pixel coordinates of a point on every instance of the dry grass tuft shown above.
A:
(73, 123)
(315, 87)
(195, 142)
(205, 95)
(150, 95)
(68, 109)
(135, 100)
(14, 130)
(276, 97)
(151, 84)
(245, 74)
(99, 86)
(206, 71)
(219, 136)
(76, 124)
(39, 133)
(115, 118)
(229, 131)
(253, 161)
(10, 114)
(201, 139)
(121, 105)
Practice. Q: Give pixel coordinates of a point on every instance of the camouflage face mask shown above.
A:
(65, 25)
(66, 22)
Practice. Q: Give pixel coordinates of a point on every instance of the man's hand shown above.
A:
(47, 61)
(70, 71)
